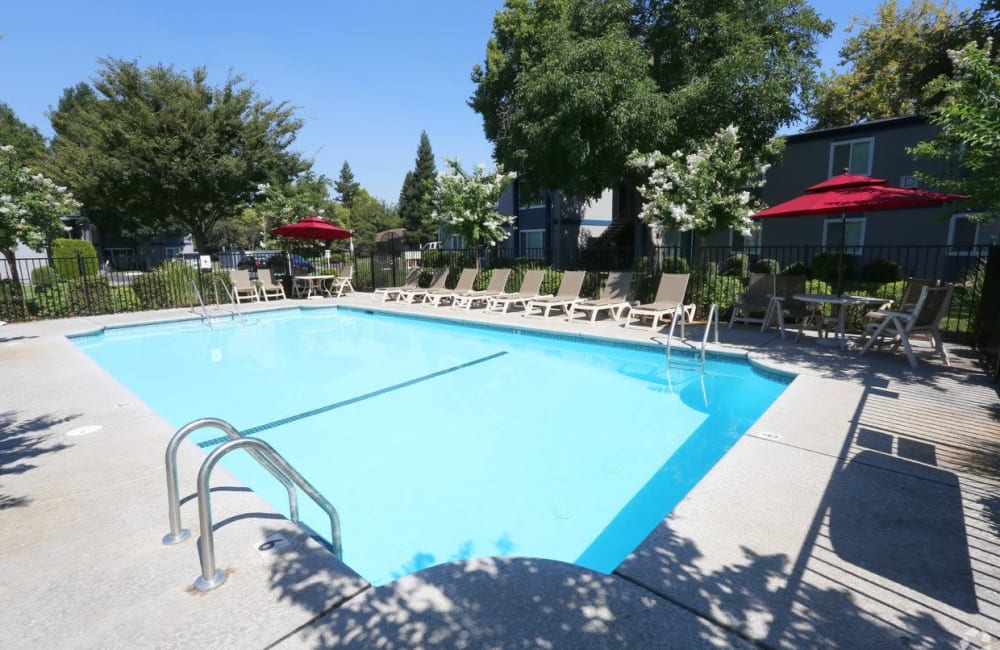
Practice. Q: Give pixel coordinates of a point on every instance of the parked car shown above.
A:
(275, 261)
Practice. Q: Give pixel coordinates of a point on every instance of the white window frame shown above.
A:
(533, 252)
(871, 154)
(848, 249)
(963, 250)
(455, 242)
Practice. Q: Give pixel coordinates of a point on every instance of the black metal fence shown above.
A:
(54, 288)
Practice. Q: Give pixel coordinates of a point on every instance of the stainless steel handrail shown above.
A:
(211, 577)
(178, 534)
(204, 310)
(713, 318)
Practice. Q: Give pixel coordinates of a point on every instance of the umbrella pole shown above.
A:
(840, 258)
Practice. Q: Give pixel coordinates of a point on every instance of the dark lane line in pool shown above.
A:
(329, 407)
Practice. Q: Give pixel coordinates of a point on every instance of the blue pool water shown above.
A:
(437, 441)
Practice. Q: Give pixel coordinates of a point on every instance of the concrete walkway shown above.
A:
(862, 510)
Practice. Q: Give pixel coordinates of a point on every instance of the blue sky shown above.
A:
(366, 75)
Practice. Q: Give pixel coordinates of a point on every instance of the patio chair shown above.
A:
(268, 287)
(754, 300)
(923, 321)
(669, 301)
(343, 282)
(531, 286)
(782, 305)
(564, 299)
(469, 299)
(911, 293)
(466, 281)
(244, 289)
(392, 293)
(437, 282)
(614, 301)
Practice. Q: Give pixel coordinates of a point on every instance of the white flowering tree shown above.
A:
(31, 207)
(704, 191)
(466, 203)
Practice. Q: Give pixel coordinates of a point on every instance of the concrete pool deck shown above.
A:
(862, 510)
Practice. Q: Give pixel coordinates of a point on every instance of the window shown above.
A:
(854, 234)
(532, 243)
(455, 242)
(529, 199)
(853, 155)
(965, 235)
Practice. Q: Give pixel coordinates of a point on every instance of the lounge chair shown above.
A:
(438, 281)
(669, 301)
(924, 320)
(756, 299)
(564, 299)
(469, 299)
(244, 289)
(466, 281)
(531, 286)
(783, 306)
(614, 301)
(343, 282)
(392, 293)
(268, 287)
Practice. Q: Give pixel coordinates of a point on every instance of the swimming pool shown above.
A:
(439, 441)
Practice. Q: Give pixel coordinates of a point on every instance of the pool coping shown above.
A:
(621, 593)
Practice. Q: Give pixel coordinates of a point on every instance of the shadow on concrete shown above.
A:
(499, 603)
(756, 597)
(910, 530)
(9, 339)
(21, 441)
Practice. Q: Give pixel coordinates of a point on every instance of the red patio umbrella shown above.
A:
(854, 193)
(312, 228)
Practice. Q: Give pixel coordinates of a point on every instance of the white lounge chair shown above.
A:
(392, 293)
(924, 320)
(268, 287)
(343, 282)
(437, 282)
(614, 301)
(669, 301)
(438, 297)
(469, 299)
(531, 286)
(564, 299)
(244, 289)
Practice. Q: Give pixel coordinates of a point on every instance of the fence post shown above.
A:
(987, 333)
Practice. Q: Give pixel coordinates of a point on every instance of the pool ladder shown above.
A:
(215, 288)
(269, 459)
(712, 322)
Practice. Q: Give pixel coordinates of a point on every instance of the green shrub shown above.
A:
(74, 258)
(126, 300)
(737, 265)
(675, 265)
(708, 286)
(11, 306)
(550, 284)
(881, 271)
(767, 265)
(150, 290)
(169, 285)
(52, 302)
(824, 266)
(796, 268)
(44, 277)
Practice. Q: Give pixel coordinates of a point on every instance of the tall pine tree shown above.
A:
(347, 188)
(415, 197)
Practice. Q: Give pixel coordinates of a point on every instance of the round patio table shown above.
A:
(839, 335)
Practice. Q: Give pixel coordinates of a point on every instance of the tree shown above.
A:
(704, 191)
(893, 59)
(466, 204)
(570, 88)
(415, 198)
(31, 207)
(347, 188)
(154, 150)
(369, 216)
(969, 140)
(28, 143)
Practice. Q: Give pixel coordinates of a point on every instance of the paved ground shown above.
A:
(862, 510)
